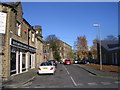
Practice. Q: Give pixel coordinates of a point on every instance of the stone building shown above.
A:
(20, 41)
(65, 51)
(39, 45)
(47, 51)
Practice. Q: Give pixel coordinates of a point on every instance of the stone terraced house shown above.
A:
(22, 45)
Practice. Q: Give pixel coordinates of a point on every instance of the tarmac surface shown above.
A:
(23, 78)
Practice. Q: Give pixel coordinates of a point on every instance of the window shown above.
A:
(13, 63)
(33, 37)
(23, 61)
(18, 27)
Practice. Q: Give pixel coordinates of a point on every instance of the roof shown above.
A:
(14, 4)
(110, 44)
(11, 5)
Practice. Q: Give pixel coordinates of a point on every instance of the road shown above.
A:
(70, 76)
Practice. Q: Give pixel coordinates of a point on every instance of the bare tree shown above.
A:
(53, 42)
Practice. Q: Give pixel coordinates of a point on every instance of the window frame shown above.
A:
(18, 28)
(33, 37)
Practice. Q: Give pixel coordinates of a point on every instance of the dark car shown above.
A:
(54, 62)
(67, 62)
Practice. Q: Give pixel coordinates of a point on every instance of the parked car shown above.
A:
(61, 62)
(46, 68)
(87, 61)
(54, 62)
(67, 62)
(82, 62)
(75, 61)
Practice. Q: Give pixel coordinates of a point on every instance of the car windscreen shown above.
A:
(76, 60)
(46, 64)
(49, 64)
(67, 60)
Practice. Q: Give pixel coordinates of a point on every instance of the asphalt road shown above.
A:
(70, 76)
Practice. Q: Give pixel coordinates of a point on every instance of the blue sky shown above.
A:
(67, 20)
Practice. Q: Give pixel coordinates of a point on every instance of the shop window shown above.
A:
(13, 63)
(30, 62)
(18, 28)
(23, 62)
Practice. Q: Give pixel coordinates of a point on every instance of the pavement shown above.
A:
(20, 79)
(17, 80)
(99, 73)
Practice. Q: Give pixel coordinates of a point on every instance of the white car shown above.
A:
(75, 61)
(46, 68)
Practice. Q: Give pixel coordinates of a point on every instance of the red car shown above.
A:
(67, 62)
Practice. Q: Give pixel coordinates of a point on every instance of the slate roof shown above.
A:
(110, 44)
(12, 5)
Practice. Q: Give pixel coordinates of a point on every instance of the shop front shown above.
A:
(22, 57)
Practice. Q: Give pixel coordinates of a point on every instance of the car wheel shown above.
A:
(38, 73)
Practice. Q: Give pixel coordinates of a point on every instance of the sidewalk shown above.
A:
(20, 79)
(99, 73)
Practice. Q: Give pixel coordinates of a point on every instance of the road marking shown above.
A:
(70, 76)
(80, 84)
(67, 70)
(106, 83)
(92, 84)
(73, 81)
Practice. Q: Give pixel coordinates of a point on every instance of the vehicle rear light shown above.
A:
(39, 69)
(51, 68)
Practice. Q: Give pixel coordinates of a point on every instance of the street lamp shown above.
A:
(98, 25)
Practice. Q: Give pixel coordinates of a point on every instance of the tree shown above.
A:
(82, 48)
(53, 42)
(93, 49)
(70, 54)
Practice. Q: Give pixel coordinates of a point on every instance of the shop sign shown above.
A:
(2, 22)
(17, 43)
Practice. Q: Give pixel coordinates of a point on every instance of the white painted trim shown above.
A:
(20, 62)
(13, 70)
(27, 58)
(10, 40)
(17, 53)
(32, 61)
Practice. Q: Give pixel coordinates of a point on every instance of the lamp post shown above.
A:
(98, 25)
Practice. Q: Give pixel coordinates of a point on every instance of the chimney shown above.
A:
(38, 29)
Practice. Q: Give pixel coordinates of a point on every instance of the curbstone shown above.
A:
(98, 75)
(20, 84)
